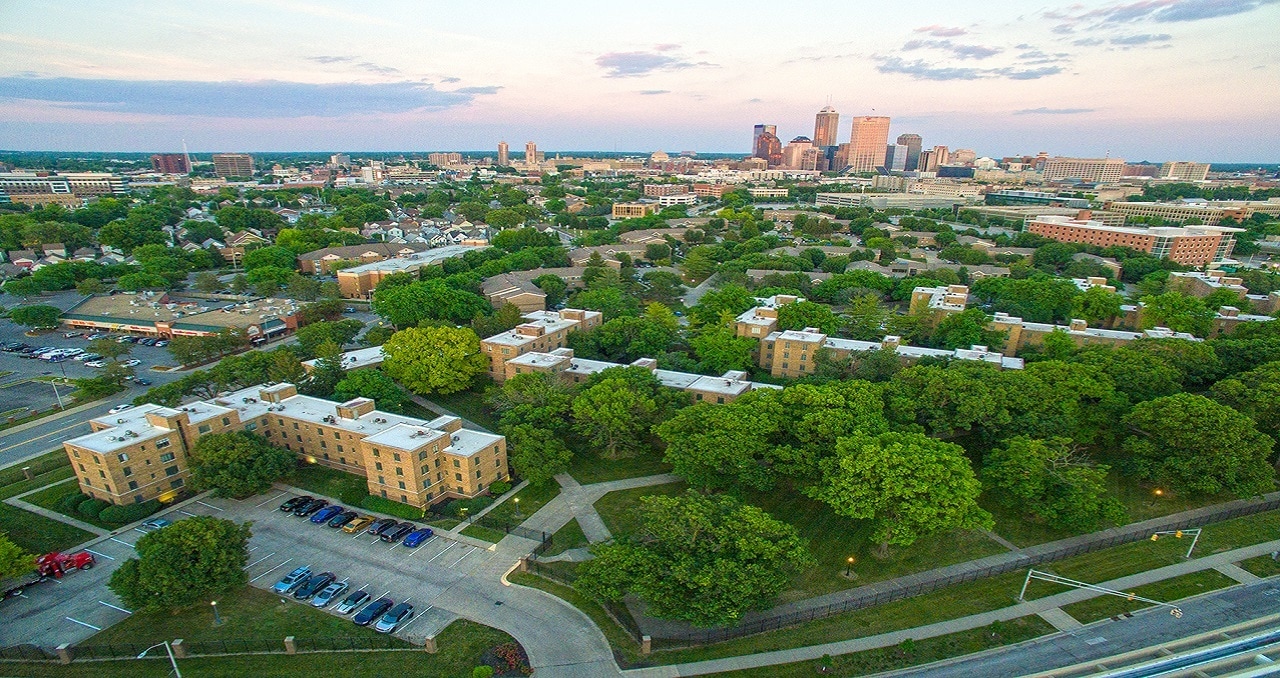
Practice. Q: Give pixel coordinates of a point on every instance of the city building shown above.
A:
(1184, 171)
(544, 331)
(801, 154)
(340, 160)
(1141, 170)
(868, 138)
(895, 158)
(933, 158)
(358, 282)
(1190, 245)
(943, 300)
(156, 314)
(677, 199)
(634, 210)
(711, 190)
(1021, 213)
(1205, 212)
(1019, 197)
(144, 453)
(78, 184)
(330, 259)
(913, 142)
(1202, 284)
(530, 153)
(509, 288)
(170, 163)
(504, 154)
(768, 193)
(826, 127)
(761, 320)
(658, 190)
(911, 201)
(233, 164)
(1083, 170)
(792, 354)
(768, 148)
(760, 129)
(1020, 334)
(444, 159)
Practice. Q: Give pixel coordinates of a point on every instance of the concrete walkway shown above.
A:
(1060, 619)
(54, 515)
(975, 621)
(576, 501)
(1238, 573)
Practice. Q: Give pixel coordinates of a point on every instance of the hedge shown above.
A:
(129, 513)
(72, 501)
(92, 507)
(395, 508)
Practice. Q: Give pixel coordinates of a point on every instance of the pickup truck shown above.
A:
(49, 566)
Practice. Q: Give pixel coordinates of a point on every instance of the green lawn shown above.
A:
(914, 653)
(1108, 564)
(1019, 527)
(466, 404)
(1237, 532)
(1141, 501)
(532, 498)
(484, 533)
(51, 498)
(1263, 566)
(618, 509)
(37, 534)
(56, 475)
(41, 464)
(1168, 590)
(588, 467)
(328, 482)
(568, 537)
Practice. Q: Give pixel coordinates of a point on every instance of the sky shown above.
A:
(1139, 79)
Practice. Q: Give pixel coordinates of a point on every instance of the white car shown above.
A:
(87, 356)
(132, 362)
(95, 363)
(119, 408)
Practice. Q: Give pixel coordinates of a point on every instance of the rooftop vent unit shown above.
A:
(379, 420)
(454, 439)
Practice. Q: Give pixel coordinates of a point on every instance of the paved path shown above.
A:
(1059, 619)
(952, 625)
(509, 494)
(1001, 541)
(577, 500)
(54, 515)
(1238, 573)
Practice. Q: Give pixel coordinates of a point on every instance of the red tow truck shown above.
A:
(49, 566)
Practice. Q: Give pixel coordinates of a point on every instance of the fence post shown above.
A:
(646, 644)
(290, 647)
(179, 649)
(524, 564)
(429, 644)
(64, 653)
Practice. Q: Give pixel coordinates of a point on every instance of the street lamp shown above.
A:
(848, 568)
(217, 619)
(517, 502)
(172, 661)
(464, 513)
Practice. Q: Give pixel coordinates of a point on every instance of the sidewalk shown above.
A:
(975, 621)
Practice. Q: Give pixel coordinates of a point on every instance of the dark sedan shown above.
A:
(294, 503)
(314, 584)
(342, 519)
(310, 507)
(395, 534)
(381, 525)
(372, 611)
(324, 514)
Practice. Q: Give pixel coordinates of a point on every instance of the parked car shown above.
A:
(120, 408)
(373, 610)
(380, 525)
(357, 524)
(87, 356)
(142, 382)
(310, 507)
(414, 539)
(148, 341)
(392, 535)
(397, 616)
(342, 519)
(155, 524)
(351, 602)
(97, 335)
(291, 504)
(328, 594)
(292, 580)
(314, 584)
(95, 363)
(324, 514)
(162, 343)
(132, 362)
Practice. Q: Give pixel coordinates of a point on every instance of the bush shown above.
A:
(454, 507)
(123, 515)
(71, 502)
(499, 488)
(482, 672)
(394, 508)
(91, 507)
(354, 494)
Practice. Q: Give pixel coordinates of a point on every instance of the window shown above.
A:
(137, 498)
(399, 471)
(698, 396)
(226, 421)
(384, 494)
(340, 448)
(101, 473)
(342, 460)
(375, 451)
(377, 465)
(299, 437)
(75, 453)
(404, 499)
(401, 484)
(382, 481)
(122, 456)
(279, 421)
(127, 471)
(457, 476)
(426, 484)
(324, 445)
(439, 476)
(456, 464)
(395, 456)
(176, 483)
(133, 484)
(424, 470)
(437, 463)
(81, 467)
(172, 470)
(429, 495)
(204, 428)
(422, 456)
(497, 463)
(478, 472)
(166, 457)
(163, 443)
(252, 426)
(295, 426)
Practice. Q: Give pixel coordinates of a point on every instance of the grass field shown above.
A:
(51, 498)
(484, 533)
(466, 404)
(37, 534)
(1168, 590)
(42, 464)
(568, 537)
(1263, 566)
(588, 468)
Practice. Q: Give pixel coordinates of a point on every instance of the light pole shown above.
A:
(848, 567)
(517, 503)
(217, 619)
(54, 384)
(464, 513)
(172, 661)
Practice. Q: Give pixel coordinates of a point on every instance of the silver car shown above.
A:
(328, 594)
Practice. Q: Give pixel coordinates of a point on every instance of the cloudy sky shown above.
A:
(1141, 79)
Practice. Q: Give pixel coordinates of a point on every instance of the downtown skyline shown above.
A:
(1142, 80)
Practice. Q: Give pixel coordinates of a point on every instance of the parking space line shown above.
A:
(416, 617)
(446, 550)
(259, 560)
(187, 512)
(251, 549)
(100, 555)
(268, 571)
(209, 505)
(459, 559)
(100, 602)
(384, 595)
(123, 542)
(271, 500)
(77, 621)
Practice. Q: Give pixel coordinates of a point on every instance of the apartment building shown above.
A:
(633, 210)
(943, 300)
(761, 320)
(544, 332)
(79, 184)
(509, 288)
(658, 190)
(792, 353)
(1191, 245)
(703, 190)
(358, 282)
(1020, 333)
(1183, 170)
(1087, 170)
(233, 164)
(1181, 211)
(328, 259)
(144, 453)
(680, 199)
(1198, 284)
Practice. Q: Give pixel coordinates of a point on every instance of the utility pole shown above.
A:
(1055, 579)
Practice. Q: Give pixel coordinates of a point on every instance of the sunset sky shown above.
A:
(1140, 79)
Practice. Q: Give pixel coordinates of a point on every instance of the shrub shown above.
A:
(482, 672)
(122, 515)
(91, 507)
(395, 508)
(500, 488)
(71, 502)
(454, 507)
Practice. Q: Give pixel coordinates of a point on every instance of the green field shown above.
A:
(1168, 590)
(589, 468)
(37, 534)
(568, 537)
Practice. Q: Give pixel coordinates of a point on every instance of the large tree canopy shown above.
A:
(1045, 478)
(238, 464)
(434, 359)
(183, 563)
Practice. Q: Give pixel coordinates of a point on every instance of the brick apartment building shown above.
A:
(544, 332)
(1190, 245)
(143, 453)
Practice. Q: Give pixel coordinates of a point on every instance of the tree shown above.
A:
(237, 464)
(183, 563)
(722, 446)
(664, 287)
(1051, 481)
(36, 317)
(802, 314)
(434, 359)
(408, 305)
(611, 301)
(719, 350)
(506, 317)
(90, 286)
(370, 383)
(340, 332)
(615, 416)
(328, 371)
(1097, 306)
(907, 485)
(135, 282)
(14, 560)
(657, 251)
(731, 298)
(704, 559)
(1123, 362)
(536, 454)
(1178, 312)
(269, 280)
(286, 368)
(1256, 394)
(553, 286)
(1192, 444)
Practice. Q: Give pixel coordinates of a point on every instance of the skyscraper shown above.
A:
(504, 154)
(761, 129)
(769, 148)
(233, 164)
(895, 158)
(800, 154)
(867, 142)
(826, 127)
(913, 142)
(170, 163)
(530, 153)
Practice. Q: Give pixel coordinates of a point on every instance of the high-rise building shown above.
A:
(913, 142)
(170, 163)
(895, 158)
(1184, 170)
(340, 160)
(233, 164)
(934, 158)
(867, 142)
(504, 154)
(800, 154)
(530, 153)
(1190, 245)
(761, 129)
(826, 127)
(962, 156)
(1089, 170)
(768, 148)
